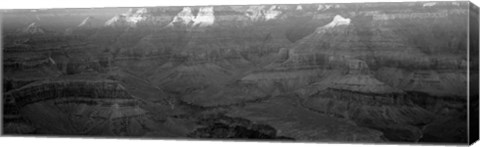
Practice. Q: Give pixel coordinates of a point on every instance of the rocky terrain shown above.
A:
(367, 72)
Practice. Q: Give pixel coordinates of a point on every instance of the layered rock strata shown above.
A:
(73, 104)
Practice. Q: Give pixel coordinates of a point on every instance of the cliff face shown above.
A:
(128, 19)
(331, 72)
(33, 28)
(13, 123)
(45, 90)
(284, 114)
(81, 107)
(396, 116)
(380, 41)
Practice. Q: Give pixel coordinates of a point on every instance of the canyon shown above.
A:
(359, 72)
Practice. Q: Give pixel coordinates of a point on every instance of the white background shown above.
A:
(86, 142)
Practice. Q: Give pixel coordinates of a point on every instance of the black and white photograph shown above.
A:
(377, 72)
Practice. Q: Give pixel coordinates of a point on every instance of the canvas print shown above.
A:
(398, 72)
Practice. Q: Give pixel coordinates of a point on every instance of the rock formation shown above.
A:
(33, 28)
(262, 13)
(337, 21)
(82, 102)
(90, 22)
(299, 7)
(184, 17)
(205, 17)
(360, 97)
(128, 19)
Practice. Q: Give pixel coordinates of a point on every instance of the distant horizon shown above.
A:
(54, 4)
